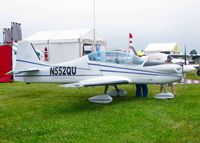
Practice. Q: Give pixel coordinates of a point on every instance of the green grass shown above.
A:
(192, 75)
(47, 113)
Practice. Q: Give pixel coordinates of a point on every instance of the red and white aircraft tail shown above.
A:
(131, 48)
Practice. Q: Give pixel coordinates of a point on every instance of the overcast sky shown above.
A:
(150, 21)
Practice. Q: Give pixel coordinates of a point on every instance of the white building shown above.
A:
(65, 45)
(167, 48)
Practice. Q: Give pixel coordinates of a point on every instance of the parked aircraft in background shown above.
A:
(161, 58)
(96, 69)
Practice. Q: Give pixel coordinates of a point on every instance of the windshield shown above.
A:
(116, 57)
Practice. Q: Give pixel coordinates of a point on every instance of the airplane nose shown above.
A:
(179, 71)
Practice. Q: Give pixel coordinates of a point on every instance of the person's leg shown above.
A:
(138, 90)
(145, 90)
(162, 88)
(173, 88)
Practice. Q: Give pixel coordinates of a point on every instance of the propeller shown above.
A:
(185, 54)
(185, 57)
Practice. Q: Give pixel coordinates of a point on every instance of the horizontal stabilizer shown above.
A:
(9, 73)
(22, 71)
(99, 81)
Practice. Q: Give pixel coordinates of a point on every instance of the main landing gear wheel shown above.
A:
(106, 97)
(117, 92)
(120, 92)
(198, 72)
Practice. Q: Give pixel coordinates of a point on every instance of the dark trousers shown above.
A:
(141, 88)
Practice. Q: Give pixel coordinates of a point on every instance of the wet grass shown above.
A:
(47, 113)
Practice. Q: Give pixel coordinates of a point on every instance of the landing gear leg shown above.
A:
(117, 89)
(198, 72)
(106, 89)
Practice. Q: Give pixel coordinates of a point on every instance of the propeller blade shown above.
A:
(185, 54)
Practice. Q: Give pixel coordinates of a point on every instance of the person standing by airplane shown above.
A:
(162, 86)
(141, 89)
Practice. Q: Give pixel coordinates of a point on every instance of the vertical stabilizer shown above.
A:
(27, 57)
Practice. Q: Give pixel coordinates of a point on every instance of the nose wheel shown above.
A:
(165, 94)
(198, 72)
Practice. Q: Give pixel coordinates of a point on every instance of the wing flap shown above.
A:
(106, 80)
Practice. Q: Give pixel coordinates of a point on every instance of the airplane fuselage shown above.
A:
(84, 68)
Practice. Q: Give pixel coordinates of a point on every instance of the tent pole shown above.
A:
(94, 30)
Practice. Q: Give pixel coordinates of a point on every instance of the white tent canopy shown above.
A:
(72, 35)
(65, 45)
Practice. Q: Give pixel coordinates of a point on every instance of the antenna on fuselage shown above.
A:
(94, 28)
(185, 54)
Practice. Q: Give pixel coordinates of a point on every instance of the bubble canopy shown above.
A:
(115, 57)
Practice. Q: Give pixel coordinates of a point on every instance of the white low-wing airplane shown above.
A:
(98, 68)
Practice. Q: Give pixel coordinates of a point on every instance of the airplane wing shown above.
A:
(108, 80)
(22, 71)
(188, 68)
